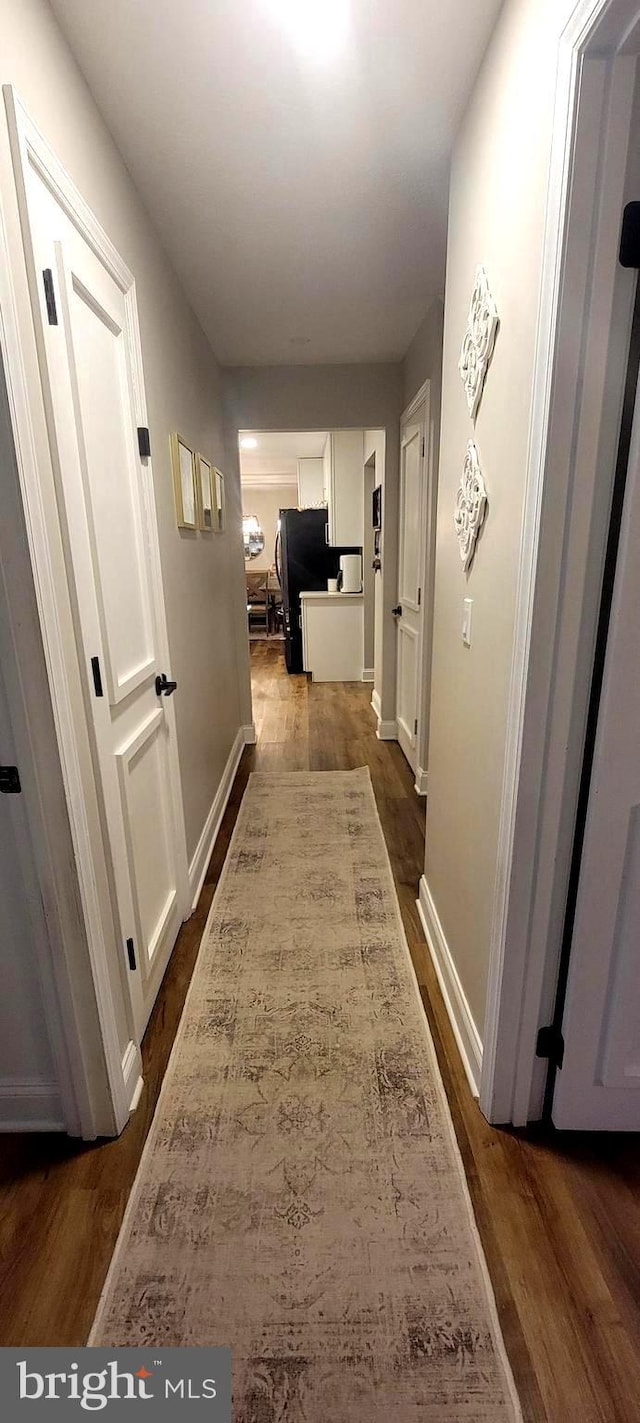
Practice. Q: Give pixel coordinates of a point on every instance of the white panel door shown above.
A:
(598, 1086)
(408, 611)
(106, 500)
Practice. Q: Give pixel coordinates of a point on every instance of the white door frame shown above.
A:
(428, 511)
(105, 1105)
(564, 527)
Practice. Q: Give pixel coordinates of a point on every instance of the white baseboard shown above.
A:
(465, 1031)
(368, 674)
(385, 730)
(137, 1093)
(421, 781)
(30, 1106)
(132, 1074)
(204, 849)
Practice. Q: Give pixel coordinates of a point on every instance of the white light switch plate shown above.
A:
(466, 621)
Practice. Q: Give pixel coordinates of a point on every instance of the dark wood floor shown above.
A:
(559, 1217)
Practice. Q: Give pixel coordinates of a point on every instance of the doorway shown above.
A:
(370, 563)
(307, 511)
(594, 1079)
(415, 583)
(582, 369)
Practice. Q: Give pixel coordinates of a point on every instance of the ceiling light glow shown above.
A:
(316, 28)
(248, 442)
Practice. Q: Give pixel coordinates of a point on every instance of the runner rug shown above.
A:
(301, 1196)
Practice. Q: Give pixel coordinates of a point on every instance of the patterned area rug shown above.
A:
(301, 1196)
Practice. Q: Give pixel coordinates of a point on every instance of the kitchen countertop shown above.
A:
(336, 597)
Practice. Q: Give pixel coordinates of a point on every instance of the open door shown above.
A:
(597, 1087)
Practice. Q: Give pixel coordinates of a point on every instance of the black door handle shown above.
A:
(164, 687)
(397, 612)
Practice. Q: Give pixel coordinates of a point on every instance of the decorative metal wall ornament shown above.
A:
(479, 341)
(471, 505)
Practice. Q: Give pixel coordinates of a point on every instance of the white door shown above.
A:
(598, 1086)
(91, 366)
(408, 610)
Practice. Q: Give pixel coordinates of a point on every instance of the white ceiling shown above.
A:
(301, 197)
(275, 458)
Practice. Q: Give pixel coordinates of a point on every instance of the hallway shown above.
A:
(559, 1219)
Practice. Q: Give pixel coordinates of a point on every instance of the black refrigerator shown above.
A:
(304, 562)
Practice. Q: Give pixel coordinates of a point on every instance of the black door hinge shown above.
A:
(630, 236)
(144, 442)
(131, 955)
(50, 297)
(550, 1044)
(419, 597)
(423, 446)
(415, 727)
(10, 780)
(97, 676)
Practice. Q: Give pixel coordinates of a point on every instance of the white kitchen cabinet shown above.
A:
(343, 468)
(310, 483)
(333, 636)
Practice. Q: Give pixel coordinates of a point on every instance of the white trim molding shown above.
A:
(479, 341)
(264, 480)
(421, 781)
(460, 1016)
(211, 828)
(131, 1074)
(385, 730)
(421, 403)
(471, 505)
(368, 674)
(249, 734)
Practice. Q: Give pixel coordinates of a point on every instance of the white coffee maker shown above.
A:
(350, 575)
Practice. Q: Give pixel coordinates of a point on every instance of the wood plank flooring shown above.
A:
(559, 1216)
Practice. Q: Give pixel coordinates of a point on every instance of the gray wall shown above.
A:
(332, 398)
(28, 1075)
(496, 217)
(423, 360)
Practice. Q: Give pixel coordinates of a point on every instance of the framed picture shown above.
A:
(184, 485)
(218, 495)
(205, 493)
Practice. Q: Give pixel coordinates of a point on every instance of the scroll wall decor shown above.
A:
(479, 340)
(471, 505)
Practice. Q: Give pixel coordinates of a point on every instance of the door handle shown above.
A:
(397, 612)
(164, 687)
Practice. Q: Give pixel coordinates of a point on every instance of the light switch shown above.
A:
(466, 621)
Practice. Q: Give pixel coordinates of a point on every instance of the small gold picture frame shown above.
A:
(205, 494)
(184, 484)
(218, 501)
